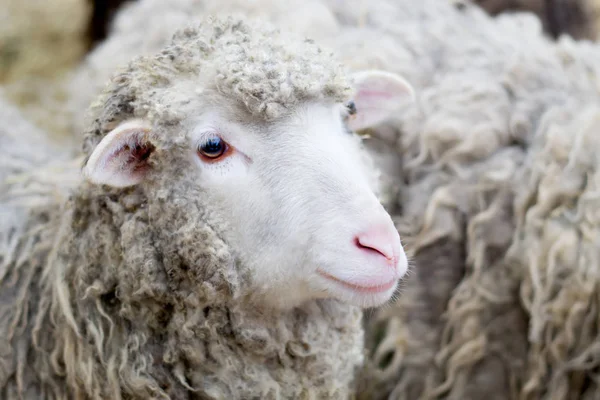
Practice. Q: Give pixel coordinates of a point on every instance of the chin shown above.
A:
(359, 295)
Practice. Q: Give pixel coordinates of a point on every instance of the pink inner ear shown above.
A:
(138, 155)
(372, 107)
(127, 164)
(378, 96)
(121, 157)
(133, 154)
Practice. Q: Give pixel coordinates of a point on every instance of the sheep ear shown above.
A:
(121, 158)
(378, 94)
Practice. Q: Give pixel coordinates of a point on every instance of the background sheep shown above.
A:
(154, 280)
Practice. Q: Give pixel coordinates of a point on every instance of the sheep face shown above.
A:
(293, 198)
(290, 194)
(302, 213)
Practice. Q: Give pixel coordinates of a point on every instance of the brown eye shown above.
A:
(212, 149)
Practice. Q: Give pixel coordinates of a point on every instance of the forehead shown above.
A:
(304, 119)
(266, 70)
(264, 75)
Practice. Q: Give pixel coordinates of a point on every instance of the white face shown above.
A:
(295, 200)
(303, 214)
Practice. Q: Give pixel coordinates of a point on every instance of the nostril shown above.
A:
(370, 243)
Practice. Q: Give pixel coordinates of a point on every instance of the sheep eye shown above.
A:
(213, 148)
(351, 107)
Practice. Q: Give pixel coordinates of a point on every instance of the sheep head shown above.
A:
(252, 135)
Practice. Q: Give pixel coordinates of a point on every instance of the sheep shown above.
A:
(503, 302)
(223, 238)
(473, 321)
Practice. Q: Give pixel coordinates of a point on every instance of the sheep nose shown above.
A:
(381, 240)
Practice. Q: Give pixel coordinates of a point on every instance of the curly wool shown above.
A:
(503, 299)
(262, 68)
(558, 253)
(108, 323)
(124, 293)
(23, 184)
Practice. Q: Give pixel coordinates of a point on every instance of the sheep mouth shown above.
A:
(359, 288)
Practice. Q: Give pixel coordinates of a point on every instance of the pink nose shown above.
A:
(382, 240)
